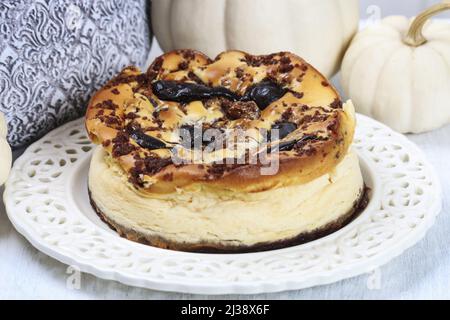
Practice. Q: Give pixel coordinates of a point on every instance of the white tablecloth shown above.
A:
(421, 272)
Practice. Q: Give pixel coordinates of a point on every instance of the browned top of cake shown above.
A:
(141, 118)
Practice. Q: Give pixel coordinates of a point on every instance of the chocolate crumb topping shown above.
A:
(131, 115)
(239, 72)
(192, 76)
(183, 65)
(217, 170)
(112, 120)
(285, 68)
(296, 94)
(187, 54)
(285, 60)
(287, 115)
(107, 104)
(336, 104)
(106, 143)
(121, 145)
(154, 165)
(241, 110)
(184, 89)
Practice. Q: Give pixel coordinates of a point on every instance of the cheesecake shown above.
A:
(241, 153)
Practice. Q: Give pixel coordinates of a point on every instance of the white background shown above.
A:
(402, 7)
(421, 272)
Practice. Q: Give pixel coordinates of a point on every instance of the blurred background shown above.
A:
(403, 7)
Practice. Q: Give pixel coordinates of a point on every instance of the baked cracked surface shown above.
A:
(139, 119)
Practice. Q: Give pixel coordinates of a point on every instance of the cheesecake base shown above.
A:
(205, 247)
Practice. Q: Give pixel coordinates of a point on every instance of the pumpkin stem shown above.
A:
(415, 37)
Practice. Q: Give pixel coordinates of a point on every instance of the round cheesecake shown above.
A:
(202, 220)
(237, 154)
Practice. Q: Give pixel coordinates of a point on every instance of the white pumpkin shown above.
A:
(317, 30)
(5, 152)
(398, 71)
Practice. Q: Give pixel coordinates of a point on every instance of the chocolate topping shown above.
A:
(186, 92)
(264, 93)
(144, 140)
(284, 128)
(288, 145)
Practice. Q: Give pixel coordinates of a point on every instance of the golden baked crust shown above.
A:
(324, 130)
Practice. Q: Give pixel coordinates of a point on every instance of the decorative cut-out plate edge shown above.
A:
(43, 205)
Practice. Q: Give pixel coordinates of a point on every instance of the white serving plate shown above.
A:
(46, 200)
